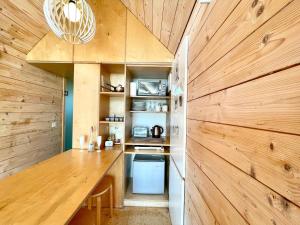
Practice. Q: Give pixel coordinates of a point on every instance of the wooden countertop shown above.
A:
(52, 191)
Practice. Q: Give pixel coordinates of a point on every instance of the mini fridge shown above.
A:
(148, 174)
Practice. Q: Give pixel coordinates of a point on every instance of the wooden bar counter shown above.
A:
(52, 191)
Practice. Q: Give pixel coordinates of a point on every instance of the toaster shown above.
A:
(140, 131)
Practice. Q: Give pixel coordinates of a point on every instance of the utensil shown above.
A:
(157, 131)
(118, 88)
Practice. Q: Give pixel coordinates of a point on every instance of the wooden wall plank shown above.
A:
(158, 6)
(20, 96)
(271, 158)
(13, 84)
(192, 217)
(30, 98)
(148, 14)
(169, 11)
(7, 106)
(21, 128)
(243, 106)
(196, 16)
(269, 48)
(202, 16)
(242, 22)
(16, 36)
(221, 208)
(16, 162)
(36, 145)
(201, 208)
(25, 138)
(16, 63)
(257, 203)
(217, 14)
(183, 12)
(43, 80)
(11, 51)
(41, 157)
(271, 103)
(23, 118)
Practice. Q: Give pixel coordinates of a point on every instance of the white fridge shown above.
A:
(178, 83)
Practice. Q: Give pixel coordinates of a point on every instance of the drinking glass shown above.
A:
(99, 141)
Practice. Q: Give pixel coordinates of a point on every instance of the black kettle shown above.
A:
(157, 131)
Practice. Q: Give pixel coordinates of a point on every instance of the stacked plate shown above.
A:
(138, 106)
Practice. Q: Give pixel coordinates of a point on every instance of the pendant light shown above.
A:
(71, 20)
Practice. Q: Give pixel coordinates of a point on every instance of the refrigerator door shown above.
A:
(148, 174)
(176, 195)
(178, 106)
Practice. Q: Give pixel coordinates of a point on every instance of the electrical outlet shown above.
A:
(53, 124)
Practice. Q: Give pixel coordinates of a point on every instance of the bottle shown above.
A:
(91, 143)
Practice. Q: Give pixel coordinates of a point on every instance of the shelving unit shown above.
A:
(148, 119)
(112, 103)
(110, 93)
(110, 122)
(120, 104)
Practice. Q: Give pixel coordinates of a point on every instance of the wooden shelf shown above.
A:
(112, 93)
(147, 151)
(110, 122)
(146, 112)
(151, 97)
(115, 147)
(148, 141)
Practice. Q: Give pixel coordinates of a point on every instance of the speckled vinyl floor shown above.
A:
(125, 216)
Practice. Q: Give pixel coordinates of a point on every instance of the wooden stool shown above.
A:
(105, 185)
(85, 214)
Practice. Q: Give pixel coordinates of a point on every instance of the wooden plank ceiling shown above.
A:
(23, 23)
(166, 19)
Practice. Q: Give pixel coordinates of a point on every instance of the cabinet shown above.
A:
(146, 117)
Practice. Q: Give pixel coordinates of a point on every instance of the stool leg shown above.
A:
(98, 215)
(111, 201)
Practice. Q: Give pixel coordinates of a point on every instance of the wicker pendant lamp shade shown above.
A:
(72, 20)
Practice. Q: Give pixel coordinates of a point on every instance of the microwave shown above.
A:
(152, 87)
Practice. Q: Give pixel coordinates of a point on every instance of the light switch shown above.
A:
(53, 124)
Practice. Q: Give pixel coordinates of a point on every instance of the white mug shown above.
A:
(81, 142)
(165, 108)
